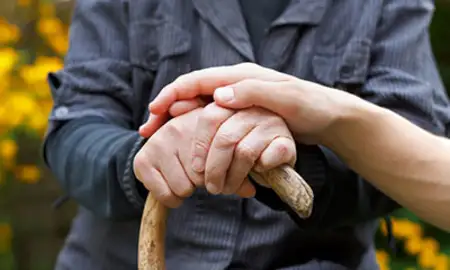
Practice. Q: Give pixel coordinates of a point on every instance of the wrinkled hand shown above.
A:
(309, 109)
(164, 163)
(160, 163)
(228, 144)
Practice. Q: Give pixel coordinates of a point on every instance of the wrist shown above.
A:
(350, 118)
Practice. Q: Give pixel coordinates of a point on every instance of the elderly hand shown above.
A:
(228, 144)
(211, 146)
(164, 163)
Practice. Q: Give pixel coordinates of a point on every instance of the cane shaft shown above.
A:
(284, 180)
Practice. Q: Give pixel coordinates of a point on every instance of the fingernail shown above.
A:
(224, 94)
(212, 188)
(198, 164)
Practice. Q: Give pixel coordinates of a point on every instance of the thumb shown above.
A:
(272, 96)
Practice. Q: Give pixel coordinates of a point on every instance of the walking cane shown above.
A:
(284, 180)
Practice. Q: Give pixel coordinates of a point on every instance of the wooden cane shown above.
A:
(284, 180)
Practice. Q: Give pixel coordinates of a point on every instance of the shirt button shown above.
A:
(61, 111)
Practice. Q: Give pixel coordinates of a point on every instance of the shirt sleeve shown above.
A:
(403, 77)
(92, 137)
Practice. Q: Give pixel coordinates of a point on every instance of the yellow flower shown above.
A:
(5, 237)
(38, 122)
(9, 117)
(404, 228)
(427, 258)
(382, 256)
(442, 262)
(8, 32)
(8, 149)
(50, 26)
(49, 64)
(37, 73)
(431, 244)
(382, 259)
(59, 43)
(4, 84)
(28, 174)
(23, 103)
(8, 59)
(413, 245)
(29, 75)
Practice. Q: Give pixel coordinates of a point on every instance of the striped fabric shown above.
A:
(123, 52)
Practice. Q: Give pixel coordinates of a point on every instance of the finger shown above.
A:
(176, 178)
(153, 123)
(160, 189)
(281, 150)
(281, 98)
(248, 151)
(222, 149)
(205, 81)
(185, 156)
(149, 175)
(208, 123)
(184, 106)
(246, 190)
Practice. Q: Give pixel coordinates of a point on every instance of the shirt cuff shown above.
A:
(134, 190)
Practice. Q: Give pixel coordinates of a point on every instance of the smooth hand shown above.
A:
(309, 109)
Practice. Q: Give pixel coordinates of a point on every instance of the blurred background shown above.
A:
(33, 41)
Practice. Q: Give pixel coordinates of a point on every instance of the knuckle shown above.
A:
(247, 65)
(284, 147)
(156, 144)
(209, 114)
(200, 146)
(172, 129)
(183, 189)
(197, 179)
(281, 149)
(184, 77)
(274, 120)
(245, 152)
(258, 115)
(139, 159)
(139, 163)
(213, 174)
(225, 140)
(232, 184)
